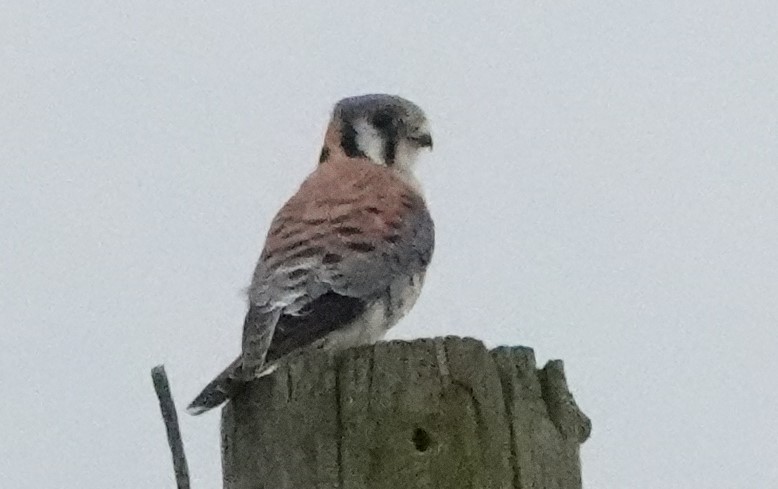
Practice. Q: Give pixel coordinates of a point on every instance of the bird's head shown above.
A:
(387, 129)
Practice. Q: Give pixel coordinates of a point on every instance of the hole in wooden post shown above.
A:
(421, 439)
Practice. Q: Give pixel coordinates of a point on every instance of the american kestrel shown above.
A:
(345, 257)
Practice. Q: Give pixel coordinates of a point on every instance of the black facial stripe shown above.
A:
(325, 153)
(348, 141)
(385, 123)
(390, 150)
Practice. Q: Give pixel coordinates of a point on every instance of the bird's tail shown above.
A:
(258, 328)
(224, 386)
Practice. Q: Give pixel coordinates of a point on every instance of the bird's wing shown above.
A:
(352, 228)
(327, 313)
(340, 242)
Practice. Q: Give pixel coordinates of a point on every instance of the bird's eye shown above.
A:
(382, 120)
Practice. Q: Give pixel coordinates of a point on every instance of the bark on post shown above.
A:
(431, 413)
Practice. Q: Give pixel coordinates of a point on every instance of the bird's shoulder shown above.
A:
(345, 197)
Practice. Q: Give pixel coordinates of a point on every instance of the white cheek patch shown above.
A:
(370, 141)
(405, 155)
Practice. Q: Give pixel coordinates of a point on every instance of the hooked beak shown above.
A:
(423, 140)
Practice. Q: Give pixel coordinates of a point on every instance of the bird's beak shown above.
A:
(423, 140)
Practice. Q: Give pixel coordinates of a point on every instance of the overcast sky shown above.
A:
(603, 183)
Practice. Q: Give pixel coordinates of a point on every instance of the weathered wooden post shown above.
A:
(431, 413)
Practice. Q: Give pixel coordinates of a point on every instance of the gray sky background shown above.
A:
(603, 183)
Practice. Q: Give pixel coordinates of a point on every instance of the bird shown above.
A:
(345, 257)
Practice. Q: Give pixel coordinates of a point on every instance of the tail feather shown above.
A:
(224, 386)
(258, 328)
